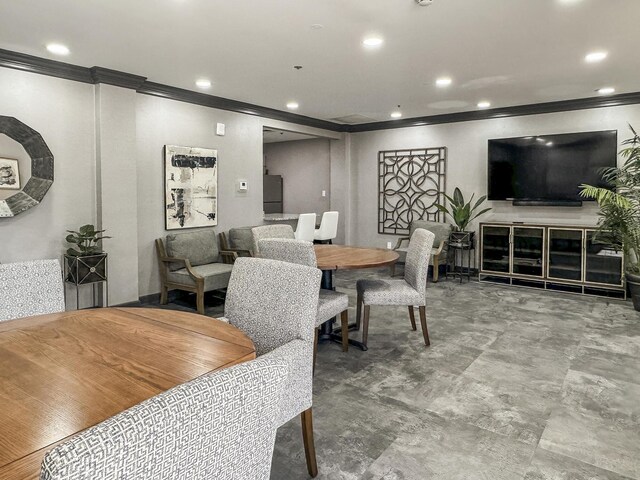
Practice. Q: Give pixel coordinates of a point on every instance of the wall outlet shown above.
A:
(220, 129)
(324, 193)
(389, 245)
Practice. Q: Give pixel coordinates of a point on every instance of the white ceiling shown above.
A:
(510, 52)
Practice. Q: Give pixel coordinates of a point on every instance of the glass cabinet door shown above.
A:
(528, 251)
(565, 254)
(603, 265)
(495, 248)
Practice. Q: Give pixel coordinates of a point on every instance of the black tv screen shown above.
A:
(549, 168)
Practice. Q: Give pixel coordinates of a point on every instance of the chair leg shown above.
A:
(423, 322)
(344, 319)
(412, 318)
(392, 270)
(436, 269)
(315, 350)
(358, 311)
(309, 445)
(365, 325)
(164, 295)
(200, 302)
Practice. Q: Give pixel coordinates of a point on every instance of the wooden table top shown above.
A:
(65, 372)
(333, 257)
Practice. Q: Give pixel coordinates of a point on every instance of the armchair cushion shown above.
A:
(240, 238)
(216, 276)
(440, 230)
(331, 304)
(199, 247)
(389, 292)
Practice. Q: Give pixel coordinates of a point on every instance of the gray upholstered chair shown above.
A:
(238, 240)
(191, 261)
(331, 303)
(439, 252)
(220, 425)
(275, 304)
(30, 288)
(409, 291)
(270, 231)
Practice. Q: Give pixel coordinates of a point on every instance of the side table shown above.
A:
(87, 270)
(460, 251)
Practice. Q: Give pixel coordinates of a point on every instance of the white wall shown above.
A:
(467, 162)
(305, 166)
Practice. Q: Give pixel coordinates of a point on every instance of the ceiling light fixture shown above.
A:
(595, 57)
(58, 49)
(484, 104)
(372, 42)
(549, 144)
(203, 83)
(396, 114)
(443, 82)
(606, 90)
(292, 105)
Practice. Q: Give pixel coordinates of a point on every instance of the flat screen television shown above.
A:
(548, 169)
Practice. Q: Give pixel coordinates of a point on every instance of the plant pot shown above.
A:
(462, 240)
(87, 269)
(633, 282)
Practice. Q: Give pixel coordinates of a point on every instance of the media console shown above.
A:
(555, 257)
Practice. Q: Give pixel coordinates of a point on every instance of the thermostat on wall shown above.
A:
(242, 186)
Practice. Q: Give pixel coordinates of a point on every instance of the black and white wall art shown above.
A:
(191, 187)
(9, 174)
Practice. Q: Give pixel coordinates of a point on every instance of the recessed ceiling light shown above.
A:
(203, 83)
(594, 57)
(58, 49)
(606, 90)
(443, 82)
(549, 144)
(372, 42)
(484, 104)
(292, 105)
(317, 26)
(396, 114)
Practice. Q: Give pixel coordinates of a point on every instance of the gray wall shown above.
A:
(305, 166)
(467, 162)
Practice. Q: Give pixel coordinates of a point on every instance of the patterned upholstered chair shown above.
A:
(439, 252)
(331, 304)
(275, 304)
(220, 425)
(30, 288)
(270, 231)
(409, 291)
(192, 262)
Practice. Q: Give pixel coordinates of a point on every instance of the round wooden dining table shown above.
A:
(343, 257)
(64, 372)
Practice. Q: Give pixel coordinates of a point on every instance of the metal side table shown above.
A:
(460, 254)
(88, 270)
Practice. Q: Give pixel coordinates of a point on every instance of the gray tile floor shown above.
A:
(517, 384)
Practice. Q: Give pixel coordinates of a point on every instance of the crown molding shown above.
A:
(100, 75)
(519, 110)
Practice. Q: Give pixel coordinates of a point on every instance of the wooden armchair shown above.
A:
(439, 251)
(191, 262)
(237, 240)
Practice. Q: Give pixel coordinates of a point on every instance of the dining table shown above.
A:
(64, 372)
(330, 258)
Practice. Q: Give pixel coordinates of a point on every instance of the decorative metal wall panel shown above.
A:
(410, 184)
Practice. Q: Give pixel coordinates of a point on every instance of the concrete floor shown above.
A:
(517, 384)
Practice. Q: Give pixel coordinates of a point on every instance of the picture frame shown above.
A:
(9, 174)
(191, 187)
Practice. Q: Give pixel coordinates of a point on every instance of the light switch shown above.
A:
(220, 128)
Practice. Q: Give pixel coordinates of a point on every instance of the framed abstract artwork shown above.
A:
(9, 174)
(191, 187)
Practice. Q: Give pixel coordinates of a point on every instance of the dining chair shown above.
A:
(328, 228)
(276, 303)
(30, 288)
(270, 231)
(306, 227)
(409, 291)
(331, 303)
(220, 425)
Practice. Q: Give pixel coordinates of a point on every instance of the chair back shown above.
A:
(270, 231)
(418, 255)
(287, 250)
(328, 226)
(220, 425)
(306, 227)
(200, 247)
(30, 288)
(440, 230)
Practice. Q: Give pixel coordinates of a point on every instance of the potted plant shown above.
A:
(462, 213)
(619, 222)
(85, 260)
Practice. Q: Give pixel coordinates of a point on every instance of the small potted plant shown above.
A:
(85, 260)
(462, 213)
(619, 222)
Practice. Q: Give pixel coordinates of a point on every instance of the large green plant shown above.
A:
(462, 213)
(85, 240)
(619, 222)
